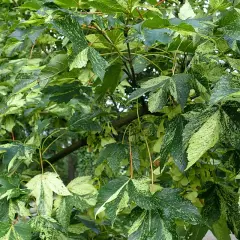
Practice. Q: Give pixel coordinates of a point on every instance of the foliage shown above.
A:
(119, 119)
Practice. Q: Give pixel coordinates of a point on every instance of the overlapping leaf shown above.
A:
(204, 139)
(42, 187)
(173, 143)
(112, 196)
(84, 196)
(151, 226)
(113, 153)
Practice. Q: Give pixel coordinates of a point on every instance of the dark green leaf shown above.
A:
(173, 143)
(112, 197)
(110, 81)
(139, 193)
(175, 207)
(151, 226)
(113, 153)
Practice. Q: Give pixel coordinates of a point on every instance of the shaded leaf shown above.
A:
(150, 226)
(173, 144)
(176, 207)
(110, 197)
(222, 90)
(113, 153)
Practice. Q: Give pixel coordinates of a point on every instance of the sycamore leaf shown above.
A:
(82, 186)
(195, 123)
(99, 64)
(221, 209)
(219, 4)
(222, 90)
(228, 24)
(175, 207)
(69, 27)
(57, 64)
(16, 154)
(186, 11)
(42, 187)
(107, 6)
(139, 192)
(110, 196)
(48, 227)
(151, 226)
(180, 88)
(196, 232)
(80, 60)
(220, 229)
(110, 81)
(159, 99)
(204, 139)
(18, 231)
(173, 143)
(149, 86)
(114, 153)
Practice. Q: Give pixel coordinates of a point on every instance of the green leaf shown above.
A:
(48, 227)
(196, 232)
(139, 192)
(68, 3)
(110, 197)
(211, 211)
(219, 4)
(107, 6)
(25, 81)
(57, 64)
(235, 63)
(186, 11)
(221, 230)
(221, 209)
(80, 60)
(173, 144)
(180, 88)
(175, 207)
(195, 123)
(114, 153)
(222, 90)
(69, 27)
(148, 86)
(18, 231)
(99, 64)
(42, 187)
(32, 5)
(110, 81)
(77, 228)
(150, 226)
(228, 24)
(157, 35)
(84, 123)
(159, 99)
(16, 154)
(204, 139)
(82, 186)
(64, 93)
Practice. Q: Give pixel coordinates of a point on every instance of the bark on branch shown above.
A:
(118, 123)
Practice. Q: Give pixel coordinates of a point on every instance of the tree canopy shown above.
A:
(120, 119)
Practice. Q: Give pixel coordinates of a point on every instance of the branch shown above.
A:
(130, 116)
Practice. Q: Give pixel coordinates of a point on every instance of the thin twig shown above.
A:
(31, 52)
(130, 155)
